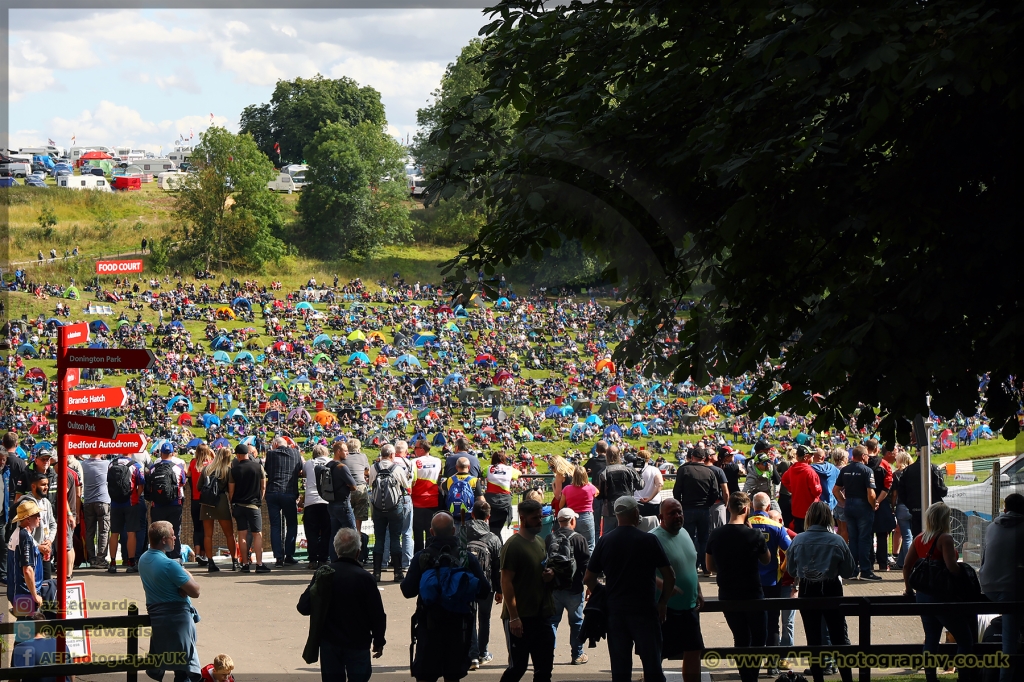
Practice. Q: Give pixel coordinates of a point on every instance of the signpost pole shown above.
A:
(63, 534)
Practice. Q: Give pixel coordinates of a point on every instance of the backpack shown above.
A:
(482, 552)
(209, 490)
(162, 483)
(446, 580)
(560, 560)
(119, 482)
(324, 482)
(387, 492)
(460, 495)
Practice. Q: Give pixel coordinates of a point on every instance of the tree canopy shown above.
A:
(355, 200)
(226, 214)
(298, 108)
(833, 184)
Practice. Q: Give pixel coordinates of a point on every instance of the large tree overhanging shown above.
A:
(846, 171)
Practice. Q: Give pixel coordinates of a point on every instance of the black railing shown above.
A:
(130, 663)
(864, 608)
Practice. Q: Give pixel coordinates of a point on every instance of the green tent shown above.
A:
(283, 397)
(107, 166)
(322, 356)
(72, 292)
(122, 323)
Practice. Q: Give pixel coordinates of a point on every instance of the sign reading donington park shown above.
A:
(109, 358)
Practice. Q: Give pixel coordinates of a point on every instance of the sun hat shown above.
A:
(27, 509)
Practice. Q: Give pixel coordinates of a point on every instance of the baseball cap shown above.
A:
(167, 449)
(624, 504)
(241, 449)
(762, 459)
(762, 446)
(564, 514)
(43, 452)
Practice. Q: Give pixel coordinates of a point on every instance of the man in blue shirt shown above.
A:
(168, 588)
(776, 537)
(828, 473)
(26, 589)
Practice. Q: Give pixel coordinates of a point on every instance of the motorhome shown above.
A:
(129, 155)
(154, 166)
(285, 183)
(170, 180)
(52, 152)
(181, 154)
(75, 153)
(92, 182)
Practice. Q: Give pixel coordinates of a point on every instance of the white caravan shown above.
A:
(92, 182)
(285, 183)
(170, 180)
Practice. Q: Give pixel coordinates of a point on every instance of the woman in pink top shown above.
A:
(579, 496)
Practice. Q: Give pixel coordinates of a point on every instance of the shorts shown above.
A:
(247, 518)
(360, 501)
(680, 633)
(839, 513)
(222, 512)
(125, 519)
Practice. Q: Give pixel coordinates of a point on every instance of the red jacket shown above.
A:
(805, 485)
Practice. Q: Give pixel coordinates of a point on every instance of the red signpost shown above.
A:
(77, 434)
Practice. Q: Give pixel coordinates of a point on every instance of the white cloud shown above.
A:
(24, 80)
(182, 79)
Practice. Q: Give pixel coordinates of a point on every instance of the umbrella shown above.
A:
(175, 400)
(242, 302)
(94, 155)
(236, 412)
(220, 443)
(395, 414)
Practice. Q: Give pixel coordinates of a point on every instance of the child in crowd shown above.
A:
(219, 670)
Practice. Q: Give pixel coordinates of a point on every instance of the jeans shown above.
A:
(903, 527)
(748, 630)
(537, 643)
(198, 533)
(1011, 632)
(282, 541)
(860, 518)
(421, 517)
(629, 630)
(344, 665)
(171, 513)
(572, 603)
(481, 636)
(775, 592)
(697, 522)
(585, 527)
(387, 523)
(788, 621)
(341, 517)
(97, 530)
(598, 508)
(316, 521)
(834, 621)
(608, 524)
(963, 629)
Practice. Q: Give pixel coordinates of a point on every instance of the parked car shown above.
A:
(8, 181)
(62, 169)
(38, 167)
(34, 181)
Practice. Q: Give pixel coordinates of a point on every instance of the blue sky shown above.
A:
(143, 77)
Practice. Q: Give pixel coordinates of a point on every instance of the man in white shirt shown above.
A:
(316, 519)
(402, 459)
(653, 482)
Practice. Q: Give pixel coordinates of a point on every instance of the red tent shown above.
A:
(90, 156)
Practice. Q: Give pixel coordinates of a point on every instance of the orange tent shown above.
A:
(605, 364)
(323, 418)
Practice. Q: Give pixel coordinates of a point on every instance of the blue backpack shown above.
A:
(447, 581)
(460, 496)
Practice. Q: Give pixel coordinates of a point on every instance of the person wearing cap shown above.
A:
(630, 560)
(12, 469)
(44, 461)
(803, 484)
(46, 532)
(127, 516)
(26, 588)
(696, 489)
(761, 476)
(171, 469)
(247, 486)
(571, 599)
(680, 633)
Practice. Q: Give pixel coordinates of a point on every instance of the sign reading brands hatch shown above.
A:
(110, 358)
(118, 267)
(124, 444)
(71, 378)
(74, 334)
(96, 427)
(94, 399)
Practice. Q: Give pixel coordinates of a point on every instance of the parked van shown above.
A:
(80, 182)
(170, 180)
(417, 185)
(16, 169)
(285, 183)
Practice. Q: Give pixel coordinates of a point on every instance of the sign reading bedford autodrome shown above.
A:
(124, 444)
(109, 358)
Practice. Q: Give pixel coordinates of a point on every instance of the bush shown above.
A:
(159, 255)
(450, 222)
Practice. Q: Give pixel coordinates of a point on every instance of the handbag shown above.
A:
(931, 576)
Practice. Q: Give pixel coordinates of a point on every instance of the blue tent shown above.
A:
(194, 443)
(553, 411)
(613, 429)
(157, 445)
(98, 344)
(234, 413)
(566, 411)
(174, 401)
(642, 427)
(54, 322)
(502, 303)
(305, 305)
(178, 324)
(42, 445)
(221, 443)
(360, 357)
(423, 339)
(767, 420)
(578, 427)
(460, 311)
(248, 440)
(272, 416)
(220, 343)
(243, 302)
(594, 419)
(393, 414)
(222, 357)
(210, 420)
(718, 400)
(451, 378)
(98, 326)
(439, 440)
(244, 356)
(322, 339)
(21, 452)
(407, 360)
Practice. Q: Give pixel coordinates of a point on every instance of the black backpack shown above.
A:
(162, 483)
(482, 552)
(209, 490)
(325, 481)
(119, 482)
(560, 559)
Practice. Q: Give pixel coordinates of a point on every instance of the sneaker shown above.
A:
(487, 658)
(580, 660)
(132, 569)
(399, 575)
(313, 565)
(262, 568)
(279, 563)
(474, 664)
(289, 561)
(235, 565)
(376, 576)
(202, 561)
(774, 672)
(874, 577)
(831, 668)
(100, 564)
(112, 568)
(245, 568)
